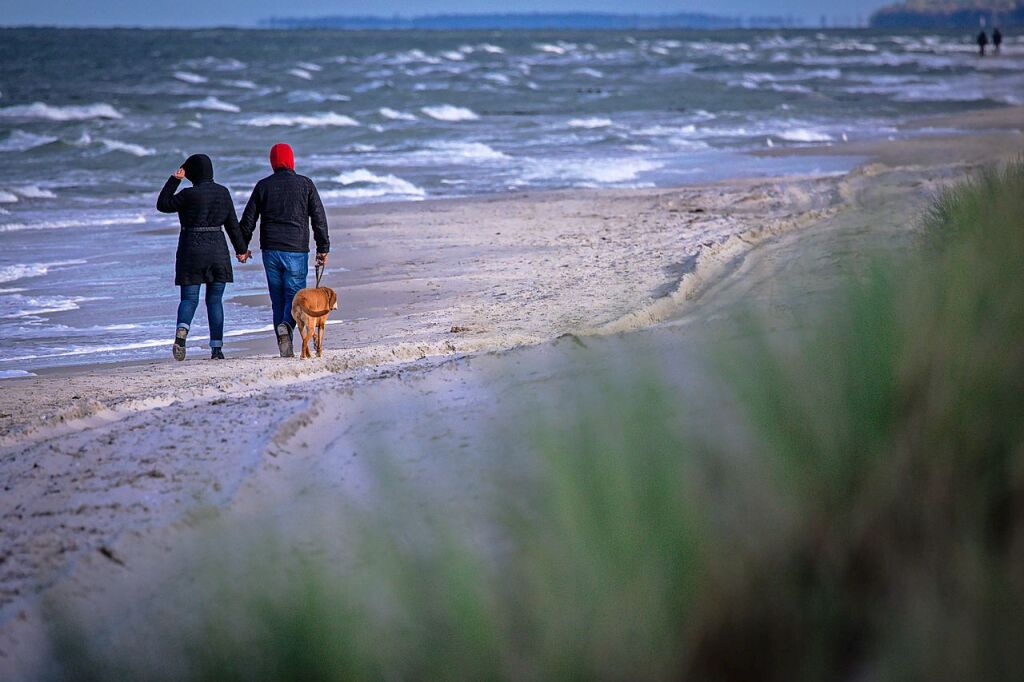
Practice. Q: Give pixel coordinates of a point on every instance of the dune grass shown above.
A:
(867, 522)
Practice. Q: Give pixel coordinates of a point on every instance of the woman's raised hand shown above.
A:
(180, 173)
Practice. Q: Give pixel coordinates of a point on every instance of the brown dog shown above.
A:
(310, 309)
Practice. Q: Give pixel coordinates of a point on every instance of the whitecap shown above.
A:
(190, 77)
(453, 56)
(310, 66)
(499, 78)
(462, 152)
(22, 141)
(301, 73)
(59, 224)
(379, 185)
(244, 84)
(34, 192)
(127, 148)
(15, 373)
(804, 135)
(447, 112)
(7, 198)
(589, 123)
(490, 49)
(327, 118)
(11, 273)
(210, 103)
(549, 48)
(41, 110)
(587, 71)
(590, 172)
(397, 115)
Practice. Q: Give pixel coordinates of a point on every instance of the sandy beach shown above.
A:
(107, 470)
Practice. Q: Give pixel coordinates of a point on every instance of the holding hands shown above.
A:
(244, 257)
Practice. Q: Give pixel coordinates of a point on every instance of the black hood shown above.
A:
(198, 168)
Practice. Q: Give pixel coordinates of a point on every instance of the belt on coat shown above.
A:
(202, 228)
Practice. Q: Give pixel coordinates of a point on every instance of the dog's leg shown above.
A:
(318, 338)
(305, 340)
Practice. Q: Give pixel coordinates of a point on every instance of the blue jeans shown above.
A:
(286, 274)
(214, 309)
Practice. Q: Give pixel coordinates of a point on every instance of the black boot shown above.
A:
(284, 340)
(216, 354)
(178, 349)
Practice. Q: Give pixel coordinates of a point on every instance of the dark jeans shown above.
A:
(214, 309)
(286, 274)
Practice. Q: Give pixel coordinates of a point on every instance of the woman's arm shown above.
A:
(168, 201)
(231, 225)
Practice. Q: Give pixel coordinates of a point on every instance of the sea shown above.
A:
(92, 122)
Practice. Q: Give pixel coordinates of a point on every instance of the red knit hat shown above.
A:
(282, 156)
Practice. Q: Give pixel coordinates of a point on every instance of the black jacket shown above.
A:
(286, 203)
(202, 255)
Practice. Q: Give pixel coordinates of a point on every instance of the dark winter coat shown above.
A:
(203, 255)
(286, 204)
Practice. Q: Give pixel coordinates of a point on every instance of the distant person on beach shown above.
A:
(982, 42)
(202, 258)
(286, 204)
(997, 39)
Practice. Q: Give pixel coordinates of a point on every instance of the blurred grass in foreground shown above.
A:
(869, 524)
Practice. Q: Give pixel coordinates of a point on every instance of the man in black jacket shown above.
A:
(286, 204)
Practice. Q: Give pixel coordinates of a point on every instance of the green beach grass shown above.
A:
(866, 522)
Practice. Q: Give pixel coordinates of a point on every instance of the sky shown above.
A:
(250, 12)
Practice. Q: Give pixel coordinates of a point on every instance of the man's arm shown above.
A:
(318, 219)
(251, 214)
(234, 232)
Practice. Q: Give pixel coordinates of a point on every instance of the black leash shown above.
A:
(319, 274)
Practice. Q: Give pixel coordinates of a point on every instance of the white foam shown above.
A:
(7, 198)
(34, 192)
(46, 112)
(549, 48)
(326, 118)
(310, 66)
(461, 152)
(587, 71)
(380, 185)
(18, 306)
(190, 77)
(448, 112)
(127, 148)
(11, 273)
(314, 96)
(210, 103)
(397, 115)
(301, 73)
(590, 172)
(805, 135)
(589, 123)
(60, 224)
(490, 49)
(499, 78)
(15, 373)
(453, 56)
(22, 141)
(244, 84)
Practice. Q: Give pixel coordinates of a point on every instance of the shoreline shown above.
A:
(152, 451)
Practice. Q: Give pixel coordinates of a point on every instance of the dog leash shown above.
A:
(319, 274)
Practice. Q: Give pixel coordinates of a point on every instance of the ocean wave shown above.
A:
(448, 112)
(499, 78)
(12, 273)
(60, 224)
(590, 172)
(309, 66)
(314, 96)
(393, 115)
(453, 56)
(22, 141)
(210, 103)
(19, 306)
(378, 185)
(589, 123)
(326, 118)
(587, 71)
(490, 49)
(7, 198)
(301, 73)
(15, 373)
(550, 49)
(461, 152)
(71, 112)
(189, 77)
(214, 64)
(34, 192)
(243, 84)
(127, 148)
(804, 135)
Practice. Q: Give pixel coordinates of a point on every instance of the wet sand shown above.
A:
(100, 489)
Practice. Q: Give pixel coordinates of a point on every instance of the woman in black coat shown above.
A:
(203, 256)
